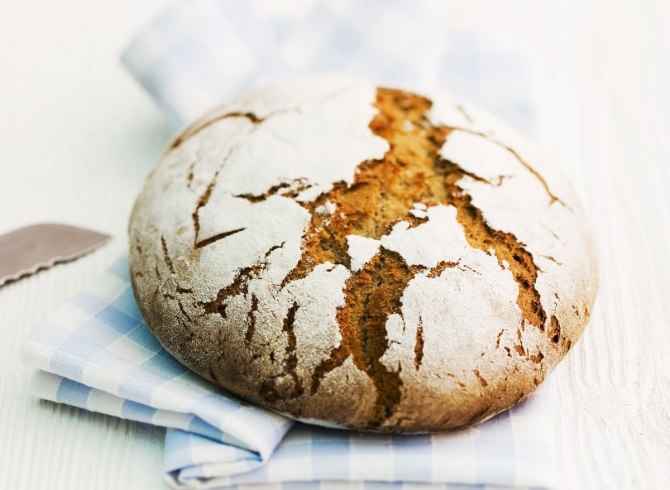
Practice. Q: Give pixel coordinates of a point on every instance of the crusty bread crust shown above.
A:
(361, 257)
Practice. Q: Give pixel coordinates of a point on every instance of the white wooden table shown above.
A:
(77, 138)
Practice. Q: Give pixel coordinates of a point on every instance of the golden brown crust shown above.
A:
(383, 193)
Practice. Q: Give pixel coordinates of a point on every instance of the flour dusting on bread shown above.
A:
(324, 240)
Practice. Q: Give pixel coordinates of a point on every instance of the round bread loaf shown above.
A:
(362, 257)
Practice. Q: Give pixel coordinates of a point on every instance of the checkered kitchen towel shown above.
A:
(96, 352)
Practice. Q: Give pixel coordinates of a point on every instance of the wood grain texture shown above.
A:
(78, 137)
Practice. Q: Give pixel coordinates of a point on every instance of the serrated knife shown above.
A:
(27, 250)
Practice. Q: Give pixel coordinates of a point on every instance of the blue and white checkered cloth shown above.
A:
(97, 353)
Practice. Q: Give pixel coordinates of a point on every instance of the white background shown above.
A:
(77, 137)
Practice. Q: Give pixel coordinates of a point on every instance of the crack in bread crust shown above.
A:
(381, 195)
(371, 295)
(552, 197)
(239, 285)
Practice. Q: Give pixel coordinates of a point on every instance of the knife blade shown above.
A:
(29, 249)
